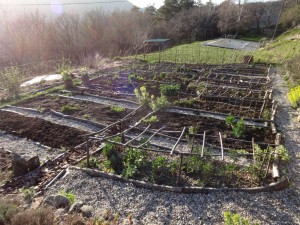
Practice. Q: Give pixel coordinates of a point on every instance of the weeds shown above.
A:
(152, 119)
(169, 89)
(69, 108)
(28, 193)
(159, 103)
(235, 219)
(142, 95)
(238, 127)
(117, 109)
(86, 116)
(114, 160)
(69, 195)
(11, 79)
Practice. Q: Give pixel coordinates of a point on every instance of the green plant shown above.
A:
(117, 109)
(173, 166)
(162, 75)
(86, 116)
(134, 159)
(294, 96)
(158, 165)
(152, 119)
(235, 219)
(142, 95)
(10, 80)
(114, 159)
(69, 108)
(64, 67)
(159, 102)
(169, 89)
(83, 71)
(70, 195)
(28, 193)
(93, 162)
(283, 153)
(238, 127)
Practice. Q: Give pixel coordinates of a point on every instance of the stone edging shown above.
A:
(277, 186)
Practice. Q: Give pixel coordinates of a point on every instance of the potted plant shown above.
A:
(68, 81)
(84, 76)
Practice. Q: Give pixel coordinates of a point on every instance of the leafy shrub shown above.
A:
(169, 89)
(142, 95)
(117, 109)
(238, 127)
(158, 166)
(134, 159)
(159, 103)
(235, 219)
(11, 79)
(93, 162)
(114, 159)
(294, 96)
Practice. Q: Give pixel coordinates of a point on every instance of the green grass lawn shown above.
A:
(278, 51)
(195, 53)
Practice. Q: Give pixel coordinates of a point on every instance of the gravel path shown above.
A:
(48, 116)
(168, 208)
(24, 146)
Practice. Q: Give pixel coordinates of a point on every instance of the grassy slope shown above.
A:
(283, 48)
(277, 51)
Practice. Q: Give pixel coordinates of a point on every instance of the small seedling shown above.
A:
(117, 109)
(70, 195)
(69, 108)
(152, 119)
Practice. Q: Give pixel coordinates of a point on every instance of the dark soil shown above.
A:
(87, 110)
(5, 160)
(47, 133)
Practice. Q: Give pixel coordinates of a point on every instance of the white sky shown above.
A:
(159, 3)
(144, 3)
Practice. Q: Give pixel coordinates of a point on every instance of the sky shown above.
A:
(144, 3)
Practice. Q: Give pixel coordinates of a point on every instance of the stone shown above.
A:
(75, 207)
(48, 201)
(298, 119)
(57, 201)
(59, 213)
(87, 210)
(22, 164)
(61, 201)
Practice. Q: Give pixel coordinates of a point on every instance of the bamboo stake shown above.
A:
(203, 144)
(128, 142)
(176, 144)
(222, 149)
(253, 149)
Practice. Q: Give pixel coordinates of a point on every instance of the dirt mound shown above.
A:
(38, 130)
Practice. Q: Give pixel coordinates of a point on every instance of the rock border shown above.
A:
(276, 186)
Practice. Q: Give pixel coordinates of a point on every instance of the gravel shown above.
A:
(150, 207)
(24, 146)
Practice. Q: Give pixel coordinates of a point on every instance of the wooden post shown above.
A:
(253, 149)
(203, 144)
(179, 170)
(275, 169)
(222, 149)
(87, 152)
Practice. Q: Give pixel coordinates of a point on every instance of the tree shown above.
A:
(228, 16)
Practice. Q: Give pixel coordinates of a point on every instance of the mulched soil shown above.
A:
(47, 133)
(98, 113)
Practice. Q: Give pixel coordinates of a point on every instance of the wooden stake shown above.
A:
(87, 153)
(203, 144)
(176, 144)
(253, 149)
(179, 170)
(222, 149)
